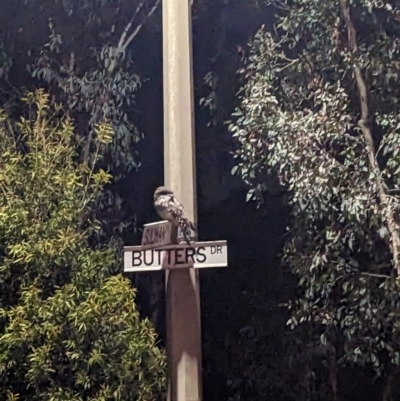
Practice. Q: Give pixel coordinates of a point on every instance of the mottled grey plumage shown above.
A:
(170, 209)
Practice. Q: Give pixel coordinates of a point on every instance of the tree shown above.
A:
(319, 109)
(87, 55)
(82, 53)
(69, 328)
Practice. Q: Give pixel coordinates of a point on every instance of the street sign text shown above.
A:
(156, 235)
(198, 255)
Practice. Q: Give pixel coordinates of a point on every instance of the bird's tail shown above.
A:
(186, 226)
(193, 226)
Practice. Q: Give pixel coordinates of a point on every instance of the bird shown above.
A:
(169, 208)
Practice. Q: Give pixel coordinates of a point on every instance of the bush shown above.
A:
(69, 329)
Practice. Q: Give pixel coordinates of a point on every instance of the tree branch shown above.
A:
(139, 27)
(367, 133)
(129, 25)
(124, 43)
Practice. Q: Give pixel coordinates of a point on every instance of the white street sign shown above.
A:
(156, 234)
(198, 255)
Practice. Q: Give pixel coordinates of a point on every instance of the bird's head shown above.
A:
(162, 191)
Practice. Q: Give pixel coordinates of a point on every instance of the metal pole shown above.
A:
(182, 287)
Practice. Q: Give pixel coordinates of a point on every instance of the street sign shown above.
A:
(156, 234)
(199, 255)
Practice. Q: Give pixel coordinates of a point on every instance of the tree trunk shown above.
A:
(394, 241)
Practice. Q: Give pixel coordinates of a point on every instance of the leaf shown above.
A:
(250, 195)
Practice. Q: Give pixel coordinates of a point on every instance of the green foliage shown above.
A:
(304, 116)
(68, 329)
(82, 53)
(103, 91)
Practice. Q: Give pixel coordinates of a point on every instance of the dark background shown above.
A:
(248, 353)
